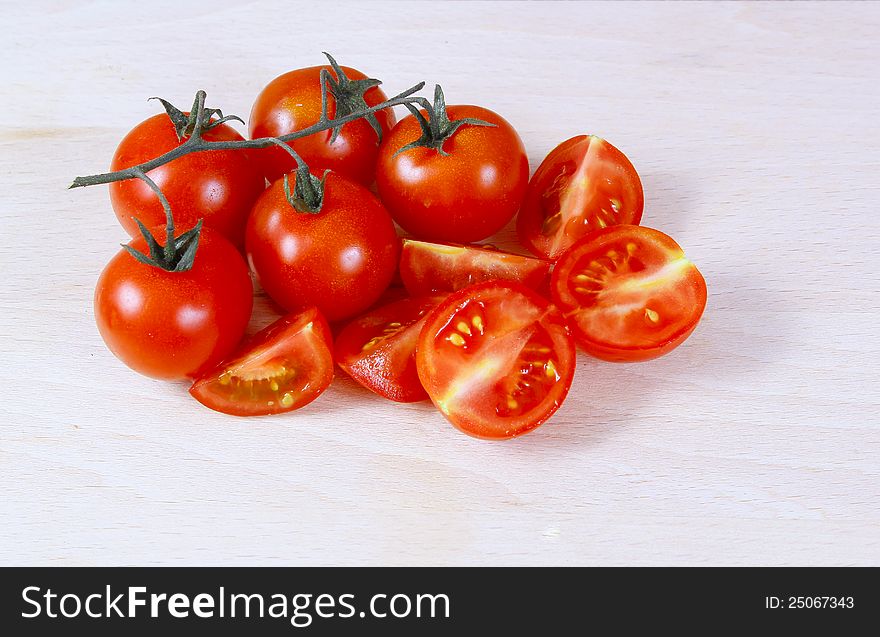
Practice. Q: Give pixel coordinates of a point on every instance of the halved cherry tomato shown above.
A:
(628, 293)
(281, 368)
(496, 359)
(426, 267)
(378, 349)
(583, 185)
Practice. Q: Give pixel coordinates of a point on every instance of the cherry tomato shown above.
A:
(281, 368)
(496, 359)
(174, 325)
(218, 186)
(340, 259)
(584, 184)
(378, 349)
(628, 293)
(427, 267)
(462, 197)
(292, 102)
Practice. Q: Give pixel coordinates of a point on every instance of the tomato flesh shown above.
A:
(427, 267)
(496, 359)
(378, 350)
(281, 368)
(628, 293)
(585, 184)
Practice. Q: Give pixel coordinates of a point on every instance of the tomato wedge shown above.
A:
(496, 359)
(378, 349)
(584, 184)
(427, 267)
(281, 368)
(628, 293)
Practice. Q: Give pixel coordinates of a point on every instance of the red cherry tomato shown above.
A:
(378, 349)
(628, 293)
(496, 359)
(292, 102)
(427, 267)
(340, 259)
(281, 368)
(174, 325)
(218, 186)
(462, 197)
(584, 184)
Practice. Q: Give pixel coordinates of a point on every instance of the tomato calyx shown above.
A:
(437, 128)
(349, 96)
(307, 195)
(179, 252)
(185, 123)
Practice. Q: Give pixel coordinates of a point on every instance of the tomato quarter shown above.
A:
(584, 185)
(496, 359)
(628, 293)
(174, 325)
(378, 349)
(281, 368)
(427, 267)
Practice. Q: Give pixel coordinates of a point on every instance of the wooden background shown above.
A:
(755, 130)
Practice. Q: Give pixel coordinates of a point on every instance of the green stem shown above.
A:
(196, 144)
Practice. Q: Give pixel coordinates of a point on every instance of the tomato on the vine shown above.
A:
(292, 102)
(459, 177)
(496, 359)
(583, 185)
(174, 324)
(378, 349)
(338, 252)
(218, 186)
(628, 293)
(429, 267)
(281, 368)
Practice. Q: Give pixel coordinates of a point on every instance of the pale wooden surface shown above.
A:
(755, 129)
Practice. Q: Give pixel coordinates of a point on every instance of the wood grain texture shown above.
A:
(755, 130)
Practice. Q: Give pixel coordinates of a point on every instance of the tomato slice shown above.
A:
(583, 185)
(427, 267)
(496, 359)
(378, 349)
(281, 368)
(628, 293)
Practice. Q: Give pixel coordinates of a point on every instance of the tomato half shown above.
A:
(174, 325)
(219, 187)
(628, 293)
(340, 259)
(583, 185)
(464, 196)
(378, 349)
(281, 368)
(496, 359)
(427, 267)
(292, 102)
